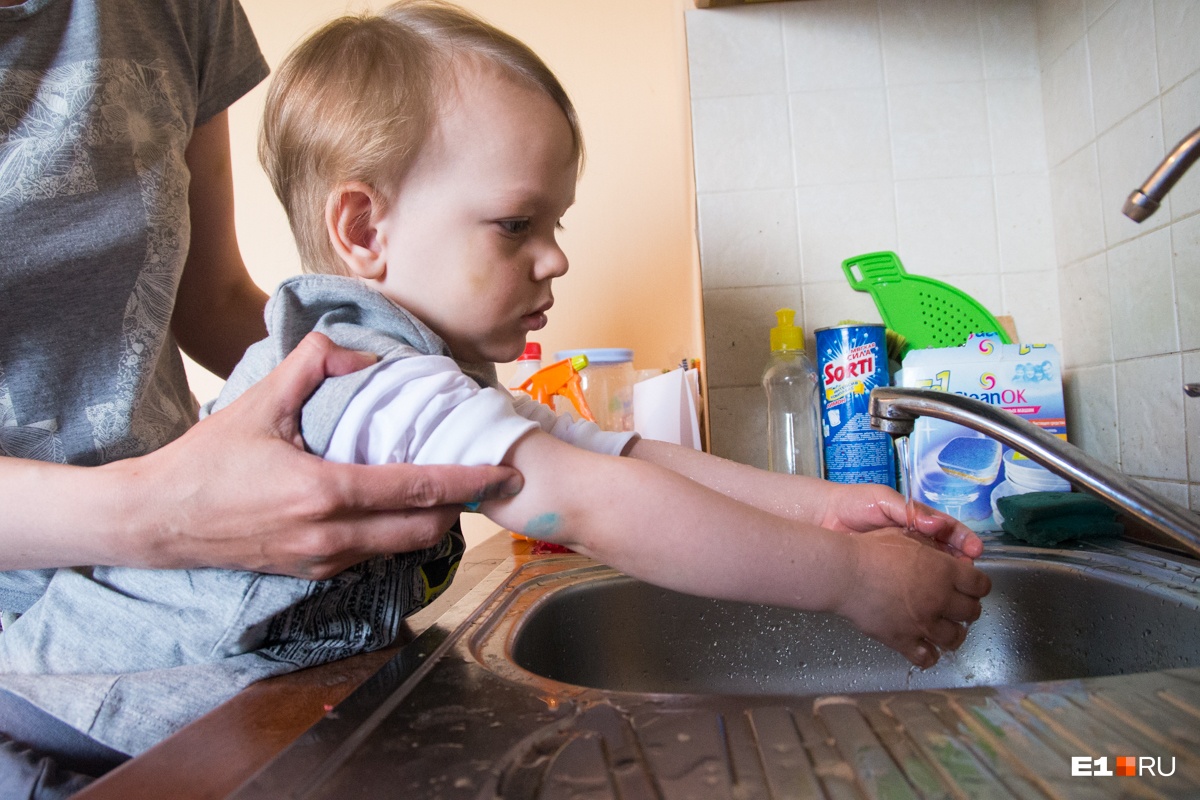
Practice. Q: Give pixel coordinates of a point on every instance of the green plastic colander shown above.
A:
(926, 312)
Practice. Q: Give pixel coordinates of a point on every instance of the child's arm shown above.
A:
(659, 526)
(846, 507)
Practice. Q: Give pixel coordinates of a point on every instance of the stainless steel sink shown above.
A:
(1051, 615)
(556, 677)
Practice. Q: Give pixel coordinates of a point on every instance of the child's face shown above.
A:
(470, 237)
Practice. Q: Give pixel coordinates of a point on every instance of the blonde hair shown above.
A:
(357, 100)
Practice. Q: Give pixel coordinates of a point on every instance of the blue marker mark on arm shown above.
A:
(543, 526)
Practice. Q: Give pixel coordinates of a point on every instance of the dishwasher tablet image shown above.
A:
(961, 471)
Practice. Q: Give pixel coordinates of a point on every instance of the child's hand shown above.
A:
(913, 598)
(870, 506)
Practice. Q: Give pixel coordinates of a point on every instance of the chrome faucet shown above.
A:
(895, 410)
(1145, 200)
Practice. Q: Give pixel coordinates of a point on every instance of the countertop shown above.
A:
(220, 751)
(451, 717)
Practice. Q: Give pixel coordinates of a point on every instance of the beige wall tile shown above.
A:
(931, 41)
(1018, 135)
(1091, 399)
(732, 54)
(1078, 210)
(843, 220)
(737, 323)
(1185, 255)
(832, 45)
(1142, 297)
(1124, 77)
(1150, 417)
(1009, 34)
(939, 130)
(948, 226)
(1177, 32)
(840, 136)
(1067, 104)
(748, 239)
(1086, 319)
(741, 142)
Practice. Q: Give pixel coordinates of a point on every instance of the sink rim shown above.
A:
(537, 583)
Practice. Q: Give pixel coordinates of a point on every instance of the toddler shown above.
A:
(425, 159)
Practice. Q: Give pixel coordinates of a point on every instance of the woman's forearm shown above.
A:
(59, 516)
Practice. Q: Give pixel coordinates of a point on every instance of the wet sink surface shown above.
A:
(557, 677)
(1044, 620)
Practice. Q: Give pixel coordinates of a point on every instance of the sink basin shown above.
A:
(1051, 615)
(556, 676)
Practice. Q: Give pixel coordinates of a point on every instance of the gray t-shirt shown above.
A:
(98, 101)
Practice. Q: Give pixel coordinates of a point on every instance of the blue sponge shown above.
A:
(971, 458)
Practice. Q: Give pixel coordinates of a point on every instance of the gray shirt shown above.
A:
(98, 101)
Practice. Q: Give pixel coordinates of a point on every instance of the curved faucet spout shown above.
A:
(895, 410)
(1145, 200)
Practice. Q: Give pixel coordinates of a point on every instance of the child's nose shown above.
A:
(552, 264)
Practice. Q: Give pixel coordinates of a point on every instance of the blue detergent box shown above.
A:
(961, 471)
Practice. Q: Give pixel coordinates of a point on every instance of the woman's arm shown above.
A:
(845, 507)
(218, 308)
(237, 490)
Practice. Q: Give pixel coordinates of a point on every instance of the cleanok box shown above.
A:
(963, 472)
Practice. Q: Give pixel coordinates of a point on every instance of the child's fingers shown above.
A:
(922, 653)
(963, 608)
(950, 532)
(946, 634)
(972, 581)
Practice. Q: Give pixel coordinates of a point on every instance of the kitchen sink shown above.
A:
(1051, 615)
(555, 677)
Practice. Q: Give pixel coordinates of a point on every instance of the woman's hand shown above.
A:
(238, 490)
(868, 506)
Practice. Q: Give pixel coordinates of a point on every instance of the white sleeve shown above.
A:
(581, 433)
(423, 410)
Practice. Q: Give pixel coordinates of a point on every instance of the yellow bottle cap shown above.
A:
(785, 335)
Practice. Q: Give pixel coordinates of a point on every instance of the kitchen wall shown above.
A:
(962, 134)
(1121, 85)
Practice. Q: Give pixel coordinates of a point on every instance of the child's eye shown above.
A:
(514, 227)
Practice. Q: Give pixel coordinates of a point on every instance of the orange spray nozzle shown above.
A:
(560, 378)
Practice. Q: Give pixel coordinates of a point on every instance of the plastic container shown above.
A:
(608, 385)
(529, 362)
(793, 410)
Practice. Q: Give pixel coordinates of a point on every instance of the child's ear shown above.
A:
(352, 214)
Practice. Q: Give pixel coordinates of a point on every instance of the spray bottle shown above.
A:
(560, 379)
(793, 405)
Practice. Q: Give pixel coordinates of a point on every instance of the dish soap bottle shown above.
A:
(529, 362)
(793, 409)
